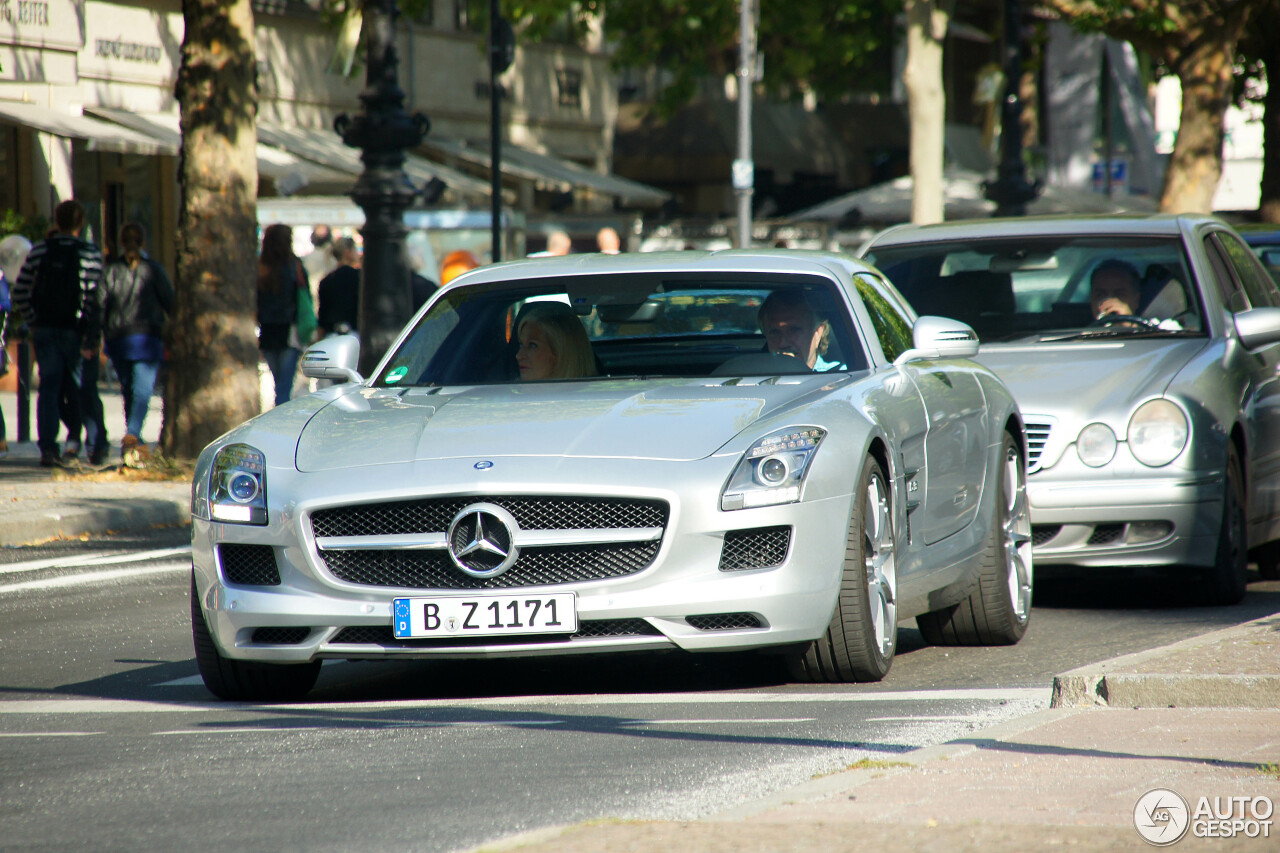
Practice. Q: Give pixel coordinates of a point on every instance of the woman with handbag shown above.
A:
(286, 317)
(139, 298)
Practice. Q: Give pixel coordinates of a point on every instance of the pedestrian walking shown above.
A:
(59, 293)
(6, 305)
(338, 311)
(139, 298)
(284, 303)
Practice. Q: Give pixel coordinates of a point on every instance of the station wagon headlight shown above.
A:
(772, 470)
(238, 485)
(1096, 445)
(1157, 432)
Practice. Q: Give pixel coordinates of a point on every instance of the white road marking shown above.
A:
(92, 560)
(49, 734)
(116, 706)
(86, 578)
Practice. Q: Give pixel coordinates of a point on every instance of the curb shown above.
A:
(1114, 683)
(72, 522)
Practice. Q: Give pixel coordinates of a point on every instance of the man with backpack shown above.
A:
(59, 292)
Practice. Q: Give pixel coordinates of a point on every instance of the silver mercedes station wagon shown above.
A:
(1145, 355)
(687, 451)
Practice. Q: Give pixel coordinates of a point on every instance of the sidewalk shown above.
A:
(38, 504)
(1200, 718)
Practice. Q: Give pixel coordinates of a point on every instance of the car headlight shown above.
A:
(238, 485)
(1157, 432)
(773, 469)
(1096, 445)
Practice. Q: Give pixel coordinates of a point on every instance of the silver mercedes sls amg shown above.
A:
(684, 451)
(1145, 354)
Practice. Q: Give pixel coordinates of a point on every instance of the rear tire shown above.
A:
(246, 681)
(998, 611)
(862, 637)
(1227, 581)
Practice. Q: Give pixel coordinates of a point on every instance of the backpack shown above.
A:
(57, 292)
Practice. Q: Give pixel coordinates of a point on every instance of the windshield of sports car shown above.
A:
(638, 325)
(1050, 289)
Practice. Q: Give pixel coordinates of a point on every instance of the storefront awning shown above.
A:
(274, 163)
(551, 172)
(97, 135)
(327, 147)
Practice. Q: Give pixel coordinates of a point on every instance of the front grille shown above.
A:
(724, 621)
(758, 548)
(1042, 533)
(280, 636)
(381, 635)
(433, 515)
(1105, 534)
(1037, 438)
(249, 565)
(535, 566)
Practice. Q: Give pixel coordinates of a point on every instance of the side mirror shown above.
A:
(1258, 327)
(940, 337)
(333, 358)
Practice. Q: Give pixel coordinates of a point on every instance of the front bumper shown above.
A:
(310, 614)
(1097, 518)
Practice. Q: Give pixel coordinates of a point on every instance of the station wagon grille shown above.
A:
(1037, 438)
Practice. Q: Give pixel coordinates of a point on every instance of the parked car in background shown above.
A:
(1154, 429)
(1264, 239)
(682, 488)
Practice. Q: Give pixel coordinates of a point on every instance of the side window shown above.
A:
(1232, 296)
(1256, 282)
(892, 327)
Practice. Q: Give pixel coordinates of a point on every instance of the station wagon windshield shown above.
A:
(1049, 289)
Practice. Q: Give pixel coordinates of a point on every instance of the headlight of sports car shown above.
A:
(772, 470)
(238, 485)
(1157, 433)
(1096, 445)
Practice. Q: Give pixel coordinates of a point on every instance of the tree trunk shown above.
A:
(212, 381)
(1269, 192)
(1205, 70)
(926, 105)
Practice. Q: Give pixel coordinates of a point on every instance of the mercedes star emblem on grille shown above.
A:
(482, 540)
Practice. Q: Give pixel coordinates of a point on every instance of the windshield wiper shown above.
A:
(1117, 331)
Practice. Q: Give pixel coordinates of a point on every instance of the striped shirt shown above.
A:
(89, 311)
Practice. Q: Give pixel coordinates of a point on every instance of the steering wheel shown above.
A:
(1111, 319)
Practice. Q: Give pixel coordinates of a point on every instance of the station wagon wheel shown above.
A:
(1227, 581)
(999, 609)
(245, 681)
(862, 637)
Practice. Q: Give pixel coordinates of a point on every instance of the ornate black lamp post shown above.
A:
(1011, 190)
(382, 130)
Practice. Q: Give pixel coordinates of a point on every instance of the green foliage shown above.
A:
(830, 47)
(33, 227)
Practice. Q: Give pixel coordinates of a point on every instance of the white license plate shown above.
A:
(484, 615)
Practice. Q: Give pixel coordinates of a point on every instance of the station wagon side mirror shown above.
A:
(333, 358)
(1258, 327)
(940, 337)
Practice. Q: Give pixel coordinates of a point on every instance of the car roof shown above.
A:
(1159, 224)
(829, 264)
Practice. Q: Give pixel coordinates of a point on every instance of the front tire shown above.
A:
(245, 681)
(862, 637)
(998, 611)
(1227, 581)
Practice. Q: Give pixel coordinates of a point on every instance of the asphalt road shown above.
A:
(108, 741)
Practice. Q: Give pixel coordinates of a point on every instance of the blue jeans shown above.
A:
(283, 364)
(58, 361)
(137, 384)
(95, 424)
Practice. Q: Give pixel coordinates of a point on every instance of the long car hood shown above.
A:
(1088, 379)
(634, 420)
